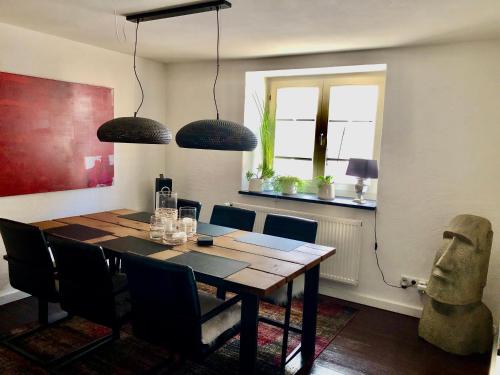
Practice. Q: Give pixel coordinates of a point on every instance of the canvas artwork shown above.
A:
(48, 136)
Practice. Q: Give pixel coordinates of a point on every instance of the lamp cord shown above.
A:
(135, 70)
(218, 64)
(376, 257)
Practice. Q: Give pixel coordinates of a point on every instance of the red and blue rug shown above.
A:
(133, 356)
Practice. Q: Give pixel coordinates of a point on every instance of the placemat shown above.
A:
(207, 264)
(277, 243)
(78, 232)
(213, 230)
(134, 245)
(143, 217)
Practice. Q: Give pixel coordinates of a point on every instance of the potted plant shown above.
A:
(287, 184)
(256, 180)
(267, 144)
(326, 188)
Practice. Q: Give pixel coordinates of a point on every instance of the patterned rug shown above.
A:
(133, 356)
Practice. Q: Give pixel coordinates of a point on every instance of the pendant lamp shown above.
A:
(216, 134)
(134, 129)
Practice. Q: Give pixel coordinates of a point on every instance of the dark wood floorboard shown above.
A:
(374, 342)
(382, 342)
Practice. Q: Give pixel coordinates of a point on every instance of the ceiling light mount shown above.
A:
(176, 11)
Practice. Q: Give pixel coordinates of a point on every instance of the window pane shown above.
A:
(296, 109)
(350, 140)
(289, 167)
(351, 127)
(353, 103)
(337, 170)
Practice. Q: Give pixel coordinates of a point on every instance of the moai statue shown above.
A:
(454, 318)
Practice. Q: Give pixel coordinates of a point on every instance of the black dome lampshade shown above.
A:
(134, 129)
(216, 135)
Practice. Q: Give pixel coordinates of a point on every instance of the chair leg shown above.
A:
(43, 311)
(221, 293)
(286, 328)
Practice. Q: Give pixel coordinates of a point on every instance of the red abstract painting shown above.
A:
(48, 136)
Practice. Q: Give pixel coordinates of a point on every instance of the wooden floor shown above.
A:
(374, 342)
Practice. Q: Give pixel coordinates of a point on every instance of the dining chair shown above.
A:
(190, 203)
(89, 289)
(294, 228)
(31, 269)
(168, 309)
(233, 217)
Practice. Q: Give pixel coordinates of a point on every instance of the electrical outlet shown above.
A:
(410, 281)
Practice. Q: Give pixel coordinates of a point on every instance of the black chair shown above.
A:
(189, 203)
(168, 310)
(87, 286)
(293, 228)
(89, 289)
(233, 217)
(31, 269)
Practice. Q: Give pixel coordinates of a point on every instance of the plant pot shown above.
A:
(326, 192)
(255, 185)
(267, 185)
(289, 189)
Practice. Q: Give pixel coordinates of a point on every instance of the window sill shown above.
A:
(311, 198)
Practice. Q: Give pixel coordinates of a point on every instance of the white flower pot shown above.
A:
(289, 189)
(255, 185)
(326, 192)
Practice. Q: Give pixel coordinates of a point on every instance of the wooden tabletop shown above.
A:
(269, 268)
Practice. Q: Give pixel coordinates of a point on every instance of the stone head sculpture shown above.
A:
(461, 263)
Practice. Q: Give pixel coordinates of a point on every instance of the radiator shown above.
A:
(343, 234)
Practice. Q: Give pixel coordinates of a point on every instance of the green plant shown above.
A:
(266, 135)
(324, 180)
(261, 173)
(280, 181)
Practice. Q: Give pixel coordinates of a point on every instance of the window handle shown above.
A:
(322, 139)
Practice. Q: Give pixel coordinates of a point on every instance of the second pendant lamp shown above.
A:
(216, 134)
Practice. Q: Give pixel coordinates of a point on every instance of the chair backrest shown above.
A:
(189, 203)
(85, 283)
(165, 303)
(294, 228)
(233, 217)
(31, 269)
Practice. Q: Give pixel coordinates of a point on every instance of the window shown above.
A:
(322, 121)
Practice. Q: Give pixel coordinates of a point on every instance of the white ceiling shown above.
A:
(258, 28)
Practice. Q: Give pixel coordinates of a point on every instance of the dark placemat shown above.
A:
(213, 230)
(207, 264)
(143, 217)
(78, 232)
(277, 243)
(133, 245)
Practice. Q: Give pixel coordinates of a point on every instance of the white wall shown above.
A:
(440, 155)
(26, 52)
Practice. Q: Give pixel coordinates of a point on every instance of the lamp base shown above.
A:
(360, 189)
(359, 200)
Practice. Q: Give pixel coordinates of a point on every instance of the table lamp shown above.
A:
(362, 169)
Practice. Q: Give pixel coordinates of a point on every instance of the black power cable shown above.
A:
(378, 263)
(135, 70)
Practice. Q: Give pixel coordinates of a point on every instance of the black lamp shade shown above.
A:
(216, 135)
(134, 130)
(364, 168)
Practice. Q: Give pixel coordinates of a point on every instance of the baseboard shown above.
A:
(11, 295)
(363, 299)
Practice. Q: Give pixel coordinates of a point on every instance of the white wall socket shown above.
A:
(410, 281)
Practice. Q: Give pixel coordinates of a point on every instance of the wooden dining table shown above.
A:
(268, 269)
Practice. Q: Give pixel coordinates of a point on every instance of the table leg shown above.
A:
(309, 315)
(249, 332)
